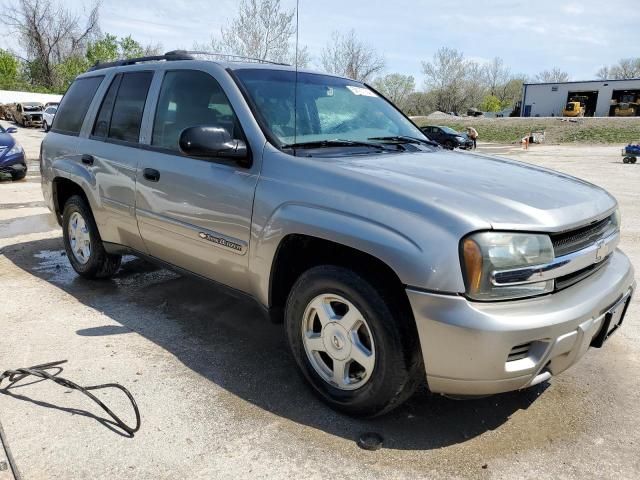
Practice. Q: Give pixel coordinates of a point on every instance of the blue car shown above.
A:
(12, 158)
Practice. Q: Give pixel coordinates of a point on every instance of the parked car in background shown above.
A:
(47, 117)
(447, 137)
(391, 261)
(28, 114)
(12, 157)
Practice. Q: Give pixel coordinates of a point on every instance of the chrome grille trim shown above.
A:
(560, 266)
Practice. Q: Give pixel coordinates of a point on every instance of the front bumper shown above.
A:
(13, 165)
(468, 347)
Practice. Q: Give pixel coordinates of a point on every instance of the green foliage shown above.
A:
(109, 48)
(69, 69)
(511, 130)
(9, 70)
(490, 103)
(103, 50)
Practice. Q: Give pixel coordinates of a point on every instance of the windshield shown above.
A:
(449, 130)
(328, 108)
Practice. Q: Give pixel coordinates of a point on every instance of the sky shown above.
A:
(577, 35)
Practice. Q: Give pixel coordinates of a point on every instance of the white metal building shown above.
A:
(10, 96)
(549, 99)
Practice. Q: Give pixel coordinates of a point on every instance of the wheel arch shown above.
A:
(63, 189)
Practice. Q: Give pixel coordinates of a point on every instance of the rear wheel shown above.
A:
(357, 349)
(83, 244)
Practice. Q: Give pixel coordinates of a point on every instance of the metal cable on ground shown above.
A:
(7, 451)
(39, 371)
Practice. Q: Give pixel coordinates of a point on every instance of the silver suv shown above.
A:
(390, 260)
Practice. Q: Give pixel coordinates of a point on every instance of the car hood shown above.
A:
(6, 140)
(483, 189)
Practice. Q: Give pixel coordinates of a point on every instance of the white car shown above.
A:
(47, 117)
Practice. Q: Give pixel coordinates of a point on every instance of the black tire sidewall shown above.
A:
(96, 259)
(391, 371)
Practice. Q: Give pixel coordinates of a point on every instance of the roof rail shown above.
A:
(182, 55)
(229, 57)
(169, 56)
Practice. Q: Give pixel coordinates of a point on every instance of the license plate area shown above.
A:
(612, 321)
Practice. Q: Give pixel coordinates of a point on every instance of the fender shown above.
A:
(70, 170)
(393, 248)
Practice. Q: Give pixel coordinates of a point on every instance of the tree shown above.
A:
(510, 92)
(420, 103)
(348, 56)
(603, 73)
(396, 87)
(555, 75)
(495, 75)
(9, 70)
(109, 48)
(490, 103)
(261, 30)
(626, 68)
(49, 35)
(449, 77)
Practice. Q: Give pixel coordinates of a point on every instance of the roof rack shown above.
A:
(181, 55)
(230, 57)
(169, 56)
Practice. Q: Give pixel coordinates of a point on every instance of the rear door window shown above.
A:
(75, 104)
(101, 125)
(126, 116)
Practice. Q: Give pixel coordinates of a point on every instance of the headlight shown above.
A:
(17, 148)
(616, 219)
(488, 252)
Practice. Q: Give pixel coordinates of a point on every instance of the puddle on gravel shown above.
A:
(44, 222)
(134, 273)
(11, 206)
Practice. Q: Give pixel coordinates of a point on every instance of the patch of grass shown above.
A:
(511, 130)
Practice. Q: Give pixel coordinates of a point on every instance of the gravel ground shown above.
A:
(219, 394)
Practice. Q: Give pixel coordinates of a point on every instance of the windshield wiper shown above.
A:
(405, 139)
(335, 143)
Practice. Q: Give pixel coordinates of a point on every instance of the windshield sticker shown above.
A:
(361, 91)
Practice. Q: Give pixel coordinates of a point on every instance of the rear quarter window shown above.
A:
(74, 105)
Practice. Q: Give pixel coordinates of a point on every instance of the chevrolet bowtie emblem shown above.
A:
(602, 250)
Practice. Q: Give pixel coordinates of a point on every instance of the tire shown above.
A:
(94, 262)
(45, 127)
(18, 176)
(633, 159)
(449, 145)
(386, 333)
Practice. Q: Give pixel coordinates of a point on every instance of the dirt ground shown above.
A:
(219, 394)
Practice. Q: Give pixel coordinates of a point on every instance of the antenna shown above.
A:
(295, 85)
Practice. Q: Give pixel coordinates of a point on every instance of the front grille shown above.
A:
(519, 352)
(574, 240)
(573, 278)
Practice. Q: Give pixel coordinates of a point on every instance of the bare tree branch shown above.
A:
(346, 55)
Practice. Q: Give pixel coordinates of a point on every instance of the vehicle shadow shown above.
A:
(230, 342)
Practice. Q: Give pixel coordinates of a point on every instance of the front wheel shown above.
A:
(357, 349)
(83, 244)
(45, 127)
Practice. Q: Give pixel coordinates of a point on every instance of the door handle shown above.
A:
(151, 174)
(87, 159)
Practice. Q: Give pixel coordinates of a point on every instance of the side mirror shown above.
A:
(12, 130)
(213, 142)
